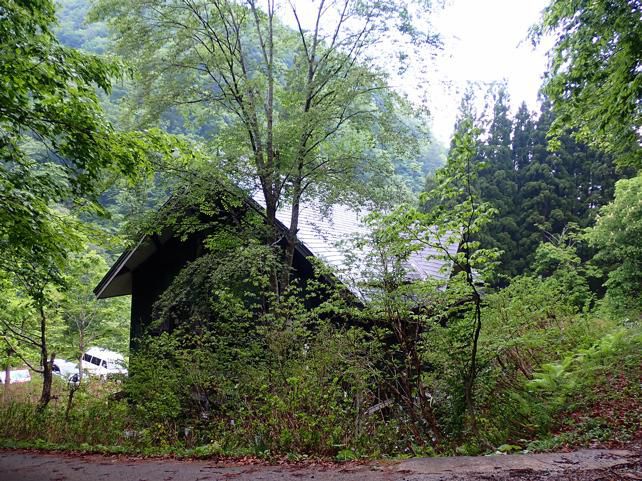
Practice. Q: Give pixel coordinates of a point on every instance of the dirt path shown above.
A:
(583, 465)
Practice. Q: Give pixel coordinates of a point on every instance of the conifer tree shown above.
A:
(536, 191)
(497, 183)
(522, 141)
(557, 188)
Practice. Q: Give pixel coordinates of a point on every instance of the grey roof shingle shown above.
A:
(327, 233)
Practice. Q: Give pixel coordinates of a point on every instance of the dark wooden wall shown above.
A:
(155, 275)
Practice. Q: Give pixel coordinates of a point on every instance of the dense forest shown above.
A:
(129, 119)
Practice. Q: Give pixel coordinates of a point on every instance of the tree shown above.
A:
(522, 140)
(616, 235)
(558, 188)
(537, 192)
(300, 111)
(399, 314)
(539, 197)
(88, 320)
(558, 259)
(54, 144)
(456, 218)
(497, 184)
(37, 277)
(16, 311)
(594, 79)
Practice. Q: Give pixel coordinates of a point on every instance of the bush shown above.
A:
(307, 394)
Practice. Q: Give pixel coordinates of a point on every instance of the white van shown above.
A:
(103, 362)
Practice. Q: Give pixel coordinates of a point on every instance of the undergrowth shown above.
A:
(589, 397)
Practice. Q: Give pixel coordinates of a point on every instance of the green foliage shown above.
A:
(88, 321)
(459, 213)
(75, 320)
(231, 364)
(559, 260)
(595, 81)
(497, 182)
(55, 141)
(559, 188)
(537, 193)
(94, 422)
(75, 32)
(297, 395)
(542, 359)
(449, 223)
(55, 144)
(298, 113)
(553, 383)
(616, 235)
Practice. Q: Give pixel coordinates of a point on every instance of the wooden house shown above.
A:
(146, 270)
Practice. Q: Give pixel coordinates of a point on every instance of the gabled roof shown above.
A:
(323, 233)
(327, 232)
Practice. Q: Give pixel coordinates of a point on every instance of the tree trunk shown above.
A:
(291, 238)
(81, 345)
(47, 363)
(7, 377)
(72, 390)
(47, 379)
(469, 382)
(270, 214)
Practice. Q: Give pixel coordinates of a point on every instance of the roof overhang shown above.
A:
(118, 280)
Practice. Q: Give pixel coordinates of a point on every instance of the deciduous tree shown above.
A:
(456, 217)
(300, 111)
(617, 235)
(54, 144)
(594, 78)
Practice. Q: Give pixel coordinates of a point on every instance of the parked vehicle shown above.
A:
(64, 368)
(103, 363)
(16, 376)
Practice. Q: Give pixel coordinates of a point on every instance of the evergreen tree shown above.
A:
(537, 192)
(497, 184)
(539, 198)
(522, 142)
(557, 188)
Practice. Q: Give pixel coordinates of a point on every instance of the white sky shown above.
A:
(484, 40)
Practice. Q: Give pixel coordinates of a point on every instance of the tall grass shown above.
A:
(94, 420)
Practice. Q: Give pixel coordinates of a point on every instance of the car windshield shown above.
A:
(118, 364)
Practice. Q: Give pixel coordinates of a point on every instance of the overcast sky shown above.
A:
(484, 40)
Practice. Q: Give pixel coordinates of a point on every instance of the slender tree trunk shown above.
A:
(47, 380)
(469, 383)
(7, 377)
(70, 399)
(297, 191)
(413, 393)
(81, 346)
(291, 237)
(270, 220)
(47, 363)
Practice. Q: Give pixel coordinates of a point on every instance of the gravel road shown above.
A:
(583, 465)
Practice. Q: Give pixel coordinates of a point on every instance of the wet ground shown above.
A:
(582, 465)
